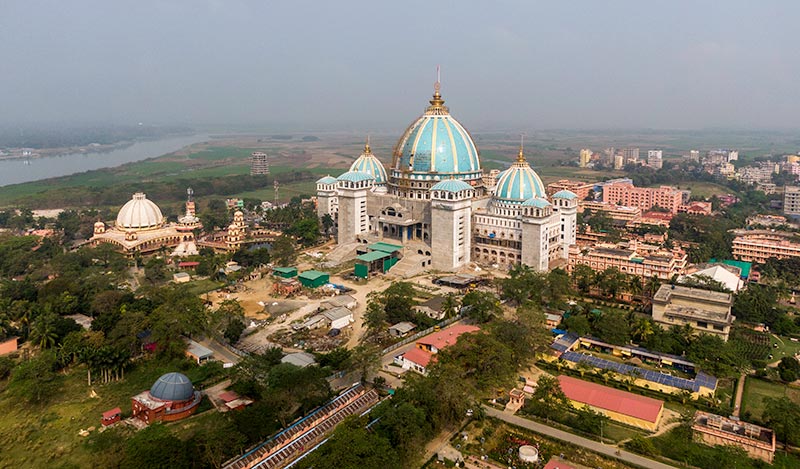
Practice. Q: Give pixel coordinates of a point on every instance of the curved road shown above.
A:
(595, 446)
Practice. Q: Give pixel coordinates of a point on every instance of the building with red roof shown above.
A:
(111, 417)
(621, 406)
(419, 357)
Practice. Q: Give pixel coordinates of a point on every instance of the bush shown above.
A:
(642, 445)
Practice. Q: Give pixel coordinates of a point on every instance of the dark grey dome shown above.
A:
(172, 387)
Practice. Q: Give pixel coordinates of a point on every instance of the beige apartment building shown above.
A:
(705, 311)
(625, 193)
(579, 188)
(632, 259)
(760, 245)
(613, 211)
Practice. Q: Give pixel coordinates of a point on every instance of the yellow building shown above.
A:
(620, 406)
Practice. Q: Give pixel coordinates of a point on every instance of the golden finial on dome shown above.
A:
(437, 103)
(367, 149)
(521, 154)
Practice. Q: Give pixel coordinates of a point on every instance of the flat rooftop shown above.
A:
(668, 291)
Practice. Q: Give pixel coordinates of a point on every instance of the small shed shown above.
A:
(433, 308)
(188, 265)
(316, 321)
(401, 329)
(385, 247)
(110, 417)
(375, 261)
(301, 359)
(344, 301)
(313, 278)
(181, 277)
(285, 272)
(339, 317)
(198, 352)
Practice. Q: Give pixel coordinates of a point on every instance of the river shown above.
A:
(15, 171)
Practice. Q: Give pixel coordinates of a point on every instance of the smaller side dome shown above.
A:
(452, 185)
(355, 176)
(172, 387)
(565, 194)
(537, 202)
(327, 180)
(369, 163)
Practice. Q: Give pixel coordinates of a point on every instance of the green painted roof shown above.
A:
(745, 266)
(285, 270)
(373, 256)
(385, 247)
(312, 274)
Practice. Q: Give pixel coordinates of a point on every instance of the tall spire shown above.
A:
(437, 103)
(521, 154)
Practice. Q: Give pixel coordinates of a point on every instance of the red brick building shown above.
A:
(172, 397)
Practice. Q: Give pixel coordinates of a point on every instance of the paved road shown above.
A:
(220, 352)
(576, 440)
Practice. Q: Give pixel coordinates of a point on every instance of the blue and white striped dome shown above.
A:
(452, 185)
(436, 145)
(369, 163)
(355, 176)
(327, 180)
(519, 182)
(565, 194)
(537, 202)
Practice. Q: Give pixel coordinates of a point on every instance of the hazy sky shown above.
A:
(370, 66)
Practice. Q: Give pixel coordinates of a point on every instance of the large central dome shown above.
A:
(139, 214)
(435, 147)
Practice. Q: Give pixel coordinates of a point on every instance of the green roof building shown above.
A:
(313, 278)
(285, 272)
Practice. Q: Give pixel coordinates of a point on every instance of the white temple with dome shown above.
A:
(434, 203)
(140, 227)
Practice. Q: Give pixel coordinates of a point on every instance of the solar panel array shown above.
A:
(563, 343)
(702, 379)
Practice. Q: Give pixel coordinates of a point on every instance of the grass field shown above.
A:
(756, 390)
(704, 189)
(47, 435)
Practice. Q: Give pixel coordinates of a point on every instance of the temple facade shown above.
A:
(434, 201)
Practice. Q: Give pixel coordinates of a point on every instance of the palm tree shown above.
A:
(642, 329)
(635, 287)
(653, 284)
(450, 305)
(43, 333)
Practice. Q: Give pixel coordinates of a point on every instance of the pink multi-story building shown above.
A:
(625, 193)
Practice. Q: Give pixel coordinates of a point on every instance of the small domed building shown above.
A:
(141, 227)
(172, 397)
(434, 202)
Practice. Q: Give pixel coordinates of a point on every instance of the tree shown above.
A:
(611, 281)
(789, 369)
(548, 400)
(613, 327)
(36, 380)
(642, 445)
(327, 223)
(156, 446)
(43, 333)
(481, 306)
(283, 251)
(577, 324)
(353, 446)
(783, 416)
(305, 230)
(642, 329)
(364, 360)
(584, 277)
